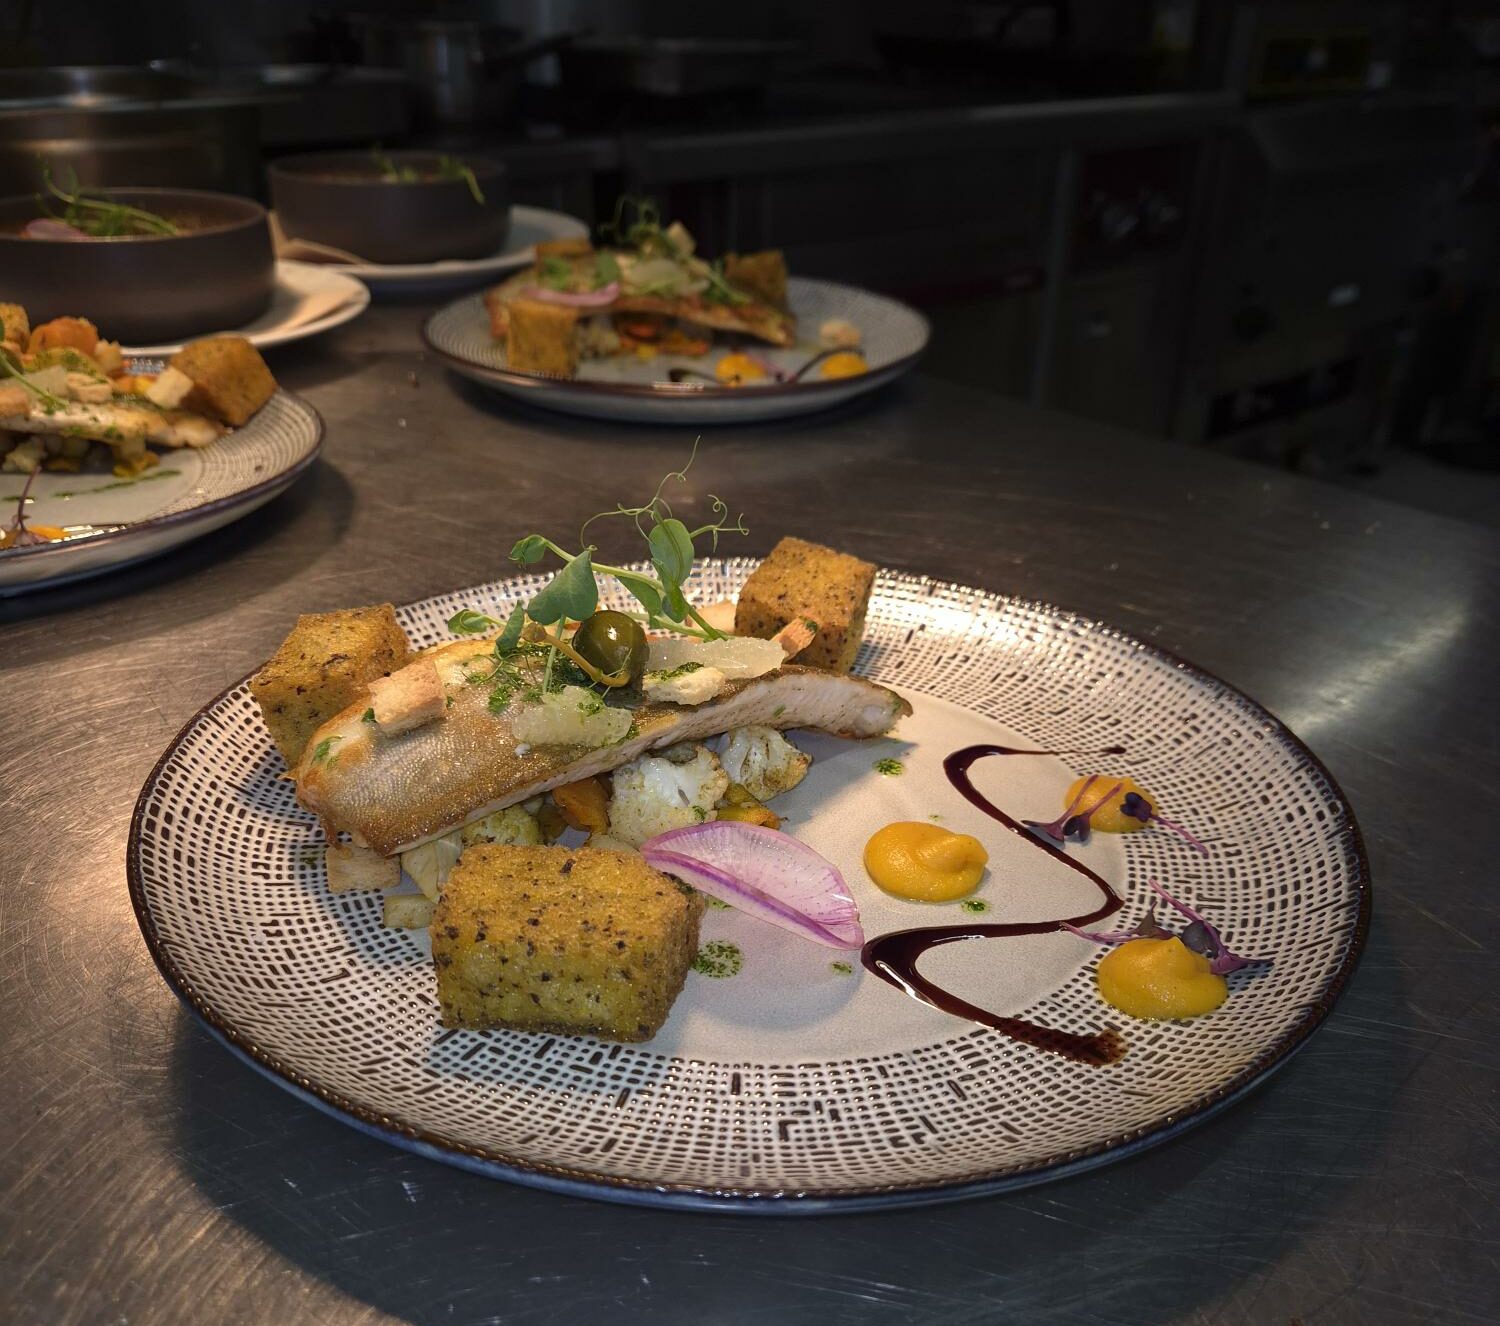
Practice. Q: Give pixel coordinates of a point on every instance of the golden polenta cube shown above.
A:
(542, 338)
(577, 941)
(830, 590)
(230, 379)
(322, 668)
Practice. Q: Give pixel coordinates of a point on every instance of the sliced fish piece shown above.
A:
(396, 792)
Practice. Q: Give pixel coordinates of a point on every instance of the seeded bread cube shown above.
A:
(761, 274)
(15, 327)
(575, 941)
(322, 668)
(542, 338)
(230, 379)
(806, 580)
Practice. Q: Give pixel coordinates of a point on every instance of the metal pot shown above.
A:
(127, 126)
(462, 71)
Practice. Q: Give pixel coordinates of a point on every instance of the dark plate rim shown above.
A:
(282, 478)
(811, 1200)
(488, 374)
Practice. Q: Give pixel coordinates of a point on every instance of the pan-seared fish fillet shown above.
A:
(396, 792)
(754, 317)
(117, 421)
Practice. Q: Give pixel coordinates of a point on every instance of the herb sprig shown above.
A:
(643, 231)
(447, 168)
(99, 217)
(573, 592)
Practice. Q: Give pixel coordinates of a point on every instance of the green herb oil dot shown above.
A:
(974, 905)
(843, 968)
(890, 768)
(719, 958)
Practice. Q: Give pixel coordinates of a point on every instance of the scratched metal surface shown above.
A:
(146, 1176)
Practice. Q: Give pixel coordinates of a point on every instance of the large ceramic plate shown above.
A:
(631, 389)
(308, 300)
(528, 227)
(795, 1086)
(187, 495)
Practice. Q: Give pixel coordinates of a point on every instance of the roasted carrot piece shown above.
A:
(584, 804)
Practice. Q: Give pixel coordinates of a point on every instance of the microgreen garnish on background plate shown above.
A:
(447, 168)
(1199, 935)
(98, 218)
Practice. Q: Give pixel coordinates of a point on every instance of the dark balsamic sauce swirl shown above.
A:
(894, 957)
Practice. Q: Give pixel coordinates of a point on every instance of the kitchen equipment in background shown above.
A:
(125, 126)
(462, 71)
(1327, 219)
(1281, 51)
(312, 104)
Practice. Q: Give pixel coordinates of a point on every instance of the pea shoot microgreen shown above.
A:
(573, 594)
(644, 232)
(99, 217)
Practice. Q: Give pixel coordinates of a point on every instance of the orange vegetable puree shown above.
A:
(737, 367)
(1109, 818)
(845, 364)
(1159, 978)
(924, 862)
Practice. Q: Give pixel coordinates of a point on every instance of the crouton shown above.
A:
(15, 401)
(563, 248)
(352, 867)
(408, 698)
(576, 941)
(831, 590)
(322, 668)
(15, 327)
(542, 338)
(73, 333)
(230, 379)
(760, 274)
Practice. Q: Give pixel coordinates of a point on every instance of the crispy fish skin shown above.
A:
(397, 792)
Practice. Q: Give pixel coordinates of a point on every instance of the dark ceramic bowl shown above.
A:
(217, 275)
(339, 198)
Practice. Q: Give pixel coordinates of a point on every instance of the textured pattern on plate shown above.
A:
(228, 884)
(282, 433)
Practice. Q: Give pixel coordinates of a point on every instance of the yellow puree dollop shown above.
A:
(1109, 818)
(924, 862)
(845, 364)
(734, 368)
(1159, 978)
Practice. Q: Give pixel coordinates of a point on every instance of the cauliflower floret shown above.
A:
(690, 684)
(430, 863)
(24, 457)
(607, 842)
(512, 825)
(762, 761)
(654, 794)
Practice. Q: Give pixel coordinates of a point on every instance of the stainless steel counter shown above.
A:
(148, 1177)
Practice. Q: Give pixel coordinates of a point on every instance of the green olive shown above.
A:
(612, 642)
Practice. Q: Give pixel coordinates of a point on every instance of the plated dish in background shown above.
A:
(106, 459)
(529, 226)
(1031, 698)
(152, 265)
(393, 207)
(306, 301)
(643, 327)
